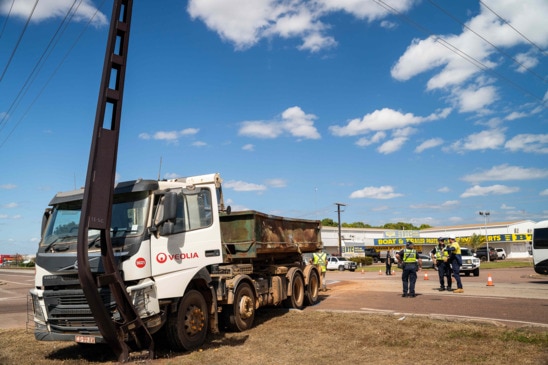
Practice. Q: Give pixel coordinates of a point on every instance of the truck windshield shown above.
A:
(128, 218)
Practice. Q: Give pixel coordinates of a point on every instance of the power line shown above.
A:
(39, 64)
(52, 75)
(517, 31)
(6, 21)
(487, 41)
(458, 51)
(18, 41)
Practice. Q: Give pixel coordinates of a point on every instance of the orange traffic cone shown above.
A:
(362, 271)
(490, 280)
(380, 272)
(393, 272)
(425, 276)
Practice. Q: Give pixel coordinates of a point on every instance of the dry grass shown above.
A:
(316, 337)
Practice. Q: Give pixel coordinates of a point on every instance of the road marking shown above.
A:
(454, 316)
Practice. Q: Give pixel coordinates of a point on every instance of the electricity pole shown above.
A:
(339, 205)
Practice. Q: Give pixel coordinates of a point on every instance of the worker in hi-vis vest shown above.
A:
(320, 258)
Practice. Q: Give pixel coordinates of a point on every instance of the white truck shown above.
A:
(117, 263)
(189, 264)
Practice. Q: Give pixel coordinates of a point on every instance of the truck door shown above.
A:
(188, 238)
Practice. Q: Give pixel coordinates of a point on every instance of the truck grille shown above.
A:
(68, 310)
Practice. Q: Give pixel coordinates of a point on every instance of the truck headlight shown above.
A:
(37, 308)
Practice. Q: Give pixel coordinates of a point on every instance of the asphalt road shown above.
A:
(518, 297)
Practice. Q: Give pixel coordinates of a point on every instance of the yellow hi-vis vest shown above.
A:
(441, 254)
(409, 256)
(320, 259)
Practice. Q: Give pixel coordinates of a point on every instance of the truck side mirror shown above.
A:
(167, 209)
(45, 219)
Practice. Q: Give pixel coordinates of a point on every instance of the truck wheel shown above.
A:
(476, 272)
(341, 268)
(239, 316)
(313, 291)
(296, 300)
(187, 328)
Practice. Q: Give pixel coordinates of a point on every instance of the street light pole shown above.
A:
(339, 222)
(485, 215)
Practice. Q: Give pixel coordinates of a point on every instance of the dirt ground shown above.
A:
(360, 319)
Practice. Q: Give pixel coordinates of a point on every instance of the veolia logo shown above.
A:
(162, 257)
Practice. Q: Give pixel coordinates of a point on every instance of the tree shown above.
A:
(475, 241)
(328, 222)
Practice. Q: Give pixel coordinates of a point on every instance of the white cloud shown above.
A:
(488, 139)
(248, 147)
(169, 136)
(294, 121)
(8, 186)
(477, 190)
(276, 183)
(384, 119)
(392, 145)
(430, 143)
(534, 143)
(506, 207)
(444, 189)
(515, 115)
(10, 205)
(372, 192)
(456, 59)
(83, 11)
(245, 23)
(506, 172)
(238, 185)
(475, 98)
(377, 137)
(544, 192)
(526, 61)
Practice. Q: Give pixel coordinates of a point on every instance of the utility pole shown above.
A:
(339, 205)
(485, 215)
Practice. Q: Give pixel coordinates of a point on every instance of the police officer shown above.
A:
(320, 258)
(441, 256)
(455, 258)
(411, 262)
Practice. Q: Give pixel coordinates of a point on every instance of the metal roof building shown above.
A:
(515, 237)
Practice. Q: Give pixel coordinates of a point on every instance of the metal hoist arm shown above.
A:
(98, 198)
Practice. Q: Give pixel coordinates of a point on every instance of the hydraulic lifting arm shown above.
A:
(98, 198)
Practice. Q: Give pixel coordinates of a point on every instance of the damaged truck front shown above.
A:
(189, 264)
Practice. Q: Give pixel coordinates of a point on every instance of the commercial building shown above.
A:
(515, 237)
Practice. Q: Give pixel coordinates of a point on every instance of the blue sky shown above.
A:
(416, 111)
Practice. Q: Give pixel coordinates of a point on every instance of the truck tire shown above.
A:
(341, 268)
(296, 300)
(312, 293)
(476, 272)
(187, 327)
(239, 316)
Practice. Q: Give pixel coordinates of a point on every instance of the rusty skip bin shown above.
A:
(249, 234)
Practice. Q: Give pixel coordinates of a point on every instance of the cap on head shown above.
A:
(409, 243)
(452, 237)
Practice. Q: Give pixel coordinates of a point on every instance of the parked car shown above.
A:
(481, 253)
(371, 252)
(340, 263)
(500, 253)
(427, 262)
(470, 263)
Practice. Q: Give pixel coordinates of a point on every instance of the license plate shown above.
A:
(84, 339)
